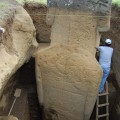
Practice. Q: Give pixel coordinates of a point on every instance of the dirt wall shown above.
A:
(113, 34)
(38, 14)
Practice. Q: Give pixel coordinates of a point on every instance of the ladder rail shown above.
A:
(107, 100)
(98, 105)
(97, 110)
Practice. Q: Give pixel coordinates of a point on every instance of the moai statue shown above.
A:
(68, 74)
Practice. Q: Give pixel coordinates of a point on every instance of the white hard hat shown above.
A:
(108, 41)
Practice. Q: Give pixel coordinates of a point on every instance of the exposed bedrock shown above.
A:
(68, 75)
(17, 44)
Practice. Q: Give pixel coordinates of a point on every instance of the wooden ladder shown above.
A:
(105, 104)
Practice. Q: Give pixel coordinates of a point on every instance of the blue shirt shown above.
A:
(105, 55)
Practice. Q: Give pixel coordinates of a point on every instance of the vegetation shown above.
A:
(116, 2)
(3, 5)
(45, 1)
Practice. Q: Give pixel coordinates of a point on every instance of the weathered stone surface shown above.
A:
(101, 9)
(68, 75)
(69, 86)
(18, 41)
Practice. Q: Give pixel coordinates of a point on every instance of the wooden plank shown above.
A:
(102, 105)
(104, 115)
(102, 94)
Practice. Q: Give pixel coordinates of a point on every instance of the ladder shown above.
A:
(104, 104)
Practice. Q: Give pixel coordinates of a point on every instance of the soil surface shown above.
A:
(27, 82)
(113, 33)
(38, 14)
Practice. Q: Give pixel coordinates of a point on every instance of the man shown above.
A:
(105, 61)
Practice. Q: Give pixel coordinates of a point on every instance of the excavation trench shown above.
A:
(38, 14)
(26, 106)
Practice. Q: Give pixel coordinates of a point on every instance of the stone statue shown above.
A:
(68, 74)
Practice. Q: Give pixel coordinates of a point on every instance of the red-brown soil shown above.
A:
(38, 14)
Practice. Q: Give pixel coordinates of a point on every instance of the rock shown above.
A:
(18, 41)
(68, 75)
(69, 88)
(8, 118)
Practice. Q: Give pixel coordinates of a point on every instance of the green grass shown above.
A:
(3, 5)
(116, 2)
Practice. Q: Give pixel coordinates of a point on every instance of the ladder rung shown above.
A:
(104, 115)
(103, 94)
(102, 105)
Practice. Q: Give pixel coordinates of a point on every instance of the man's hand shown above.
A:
(97, 50)
(2, 30)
